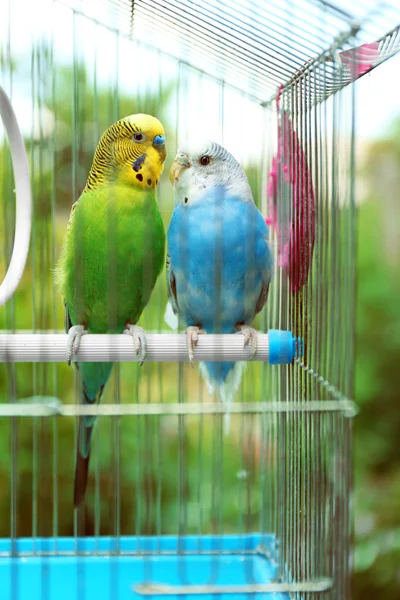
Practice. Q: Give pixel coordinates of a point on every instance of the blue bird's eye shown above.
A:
(205, 160)
(138, 136)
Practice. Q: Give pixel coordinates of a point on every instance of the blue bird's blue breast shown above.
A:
(220, 258)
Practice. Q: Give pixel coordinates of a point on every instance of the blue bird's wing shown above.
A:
(219, 265)
(171, 286)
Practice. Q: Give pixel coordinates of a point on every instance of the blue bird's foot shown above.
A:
(192, 337)
(250, 338)
(75, 334)
(139, 341)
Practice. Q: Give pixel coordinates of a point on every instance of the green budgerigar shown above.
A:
(112, 254)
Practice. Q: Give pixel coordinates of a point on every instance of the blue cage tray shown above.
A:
(155, 567)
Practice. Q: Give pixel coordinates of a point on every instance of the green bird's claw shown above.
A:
(75, 334)
(139, 341)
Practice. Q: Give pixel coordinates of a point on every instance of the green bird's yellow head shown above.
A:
(130, 152)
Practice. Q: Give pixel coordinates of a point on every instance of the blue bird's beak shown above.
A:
(159, 140)
(180, 163)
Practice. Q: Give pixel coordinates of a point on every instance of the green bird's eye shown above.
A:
(138, 137)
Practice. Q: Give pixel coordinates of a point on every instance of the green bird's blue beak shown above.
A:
(159, 140)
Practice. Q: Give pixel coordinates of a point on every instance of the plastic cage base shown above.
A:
(156, 567)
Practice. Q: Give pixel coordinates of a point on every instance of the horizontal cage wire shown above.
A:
(184, 494)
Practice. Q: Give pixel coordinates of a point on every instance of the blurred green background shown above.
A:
(377, 427)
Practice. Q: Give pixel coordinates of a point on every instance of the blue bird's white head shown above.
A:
(203, 165)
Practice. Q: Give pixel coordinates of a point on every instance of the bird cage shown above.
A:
(176, 505)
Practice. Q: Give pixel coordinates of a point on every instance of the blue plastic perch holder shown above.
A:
(284, 347)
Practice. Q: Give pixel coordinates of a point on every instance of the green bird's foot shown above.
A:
(74, 339)
(139, 341)
(250, 338)
(192, 337)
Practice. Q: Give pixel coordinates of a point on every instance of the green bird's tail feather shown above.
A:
(92, 373)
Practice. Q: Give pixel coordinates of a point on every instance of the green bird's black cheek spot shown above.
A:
(139, 176)
(186, 200)
(156, 181)
(149, 182)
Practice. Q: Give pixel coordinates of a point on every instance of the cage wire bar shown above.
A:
(174, 506)
(314, 483)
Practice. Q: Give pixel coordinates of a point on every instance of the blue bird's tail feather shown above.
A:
(224, 379)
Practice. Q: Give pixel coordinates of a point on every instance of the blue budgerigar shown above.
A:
(219, 263)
